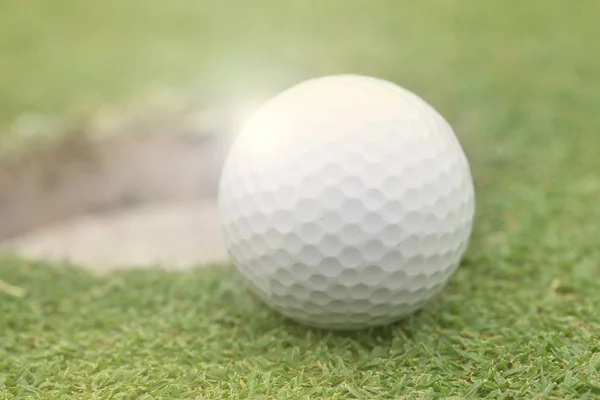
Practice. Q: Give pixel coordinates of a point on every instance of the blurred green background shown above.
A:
(461, 55)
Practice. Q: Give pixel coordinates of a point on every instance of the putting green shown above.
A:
(518, 82)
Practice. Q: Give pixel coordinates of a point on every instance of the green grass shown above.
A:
(498, 332)
(62, 55)
(520, 318)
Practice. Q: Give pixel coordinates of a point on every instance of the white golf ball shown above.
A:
(346, 202)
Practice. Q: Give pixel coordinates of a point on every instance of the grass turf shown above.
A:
(519, 319)
(497, 333)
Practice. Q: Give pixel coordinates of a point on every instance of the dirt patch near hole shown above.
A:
(170, 235)
(80, 177)
(125, 200)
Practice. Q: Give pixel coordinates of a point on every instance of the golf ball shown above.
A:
(346, 202)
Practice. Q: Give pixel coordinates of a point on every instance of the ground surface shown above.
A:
(173, 235)
(499, 331)
(519, 84)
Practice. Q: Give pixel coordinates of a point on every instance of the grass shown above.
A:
(519, 319)
(496, 333)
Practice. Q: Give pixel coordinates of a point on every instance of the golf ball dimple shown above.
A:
(346, 202)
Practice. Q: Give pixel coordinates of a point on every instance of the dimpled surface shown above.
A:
(346, 202)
